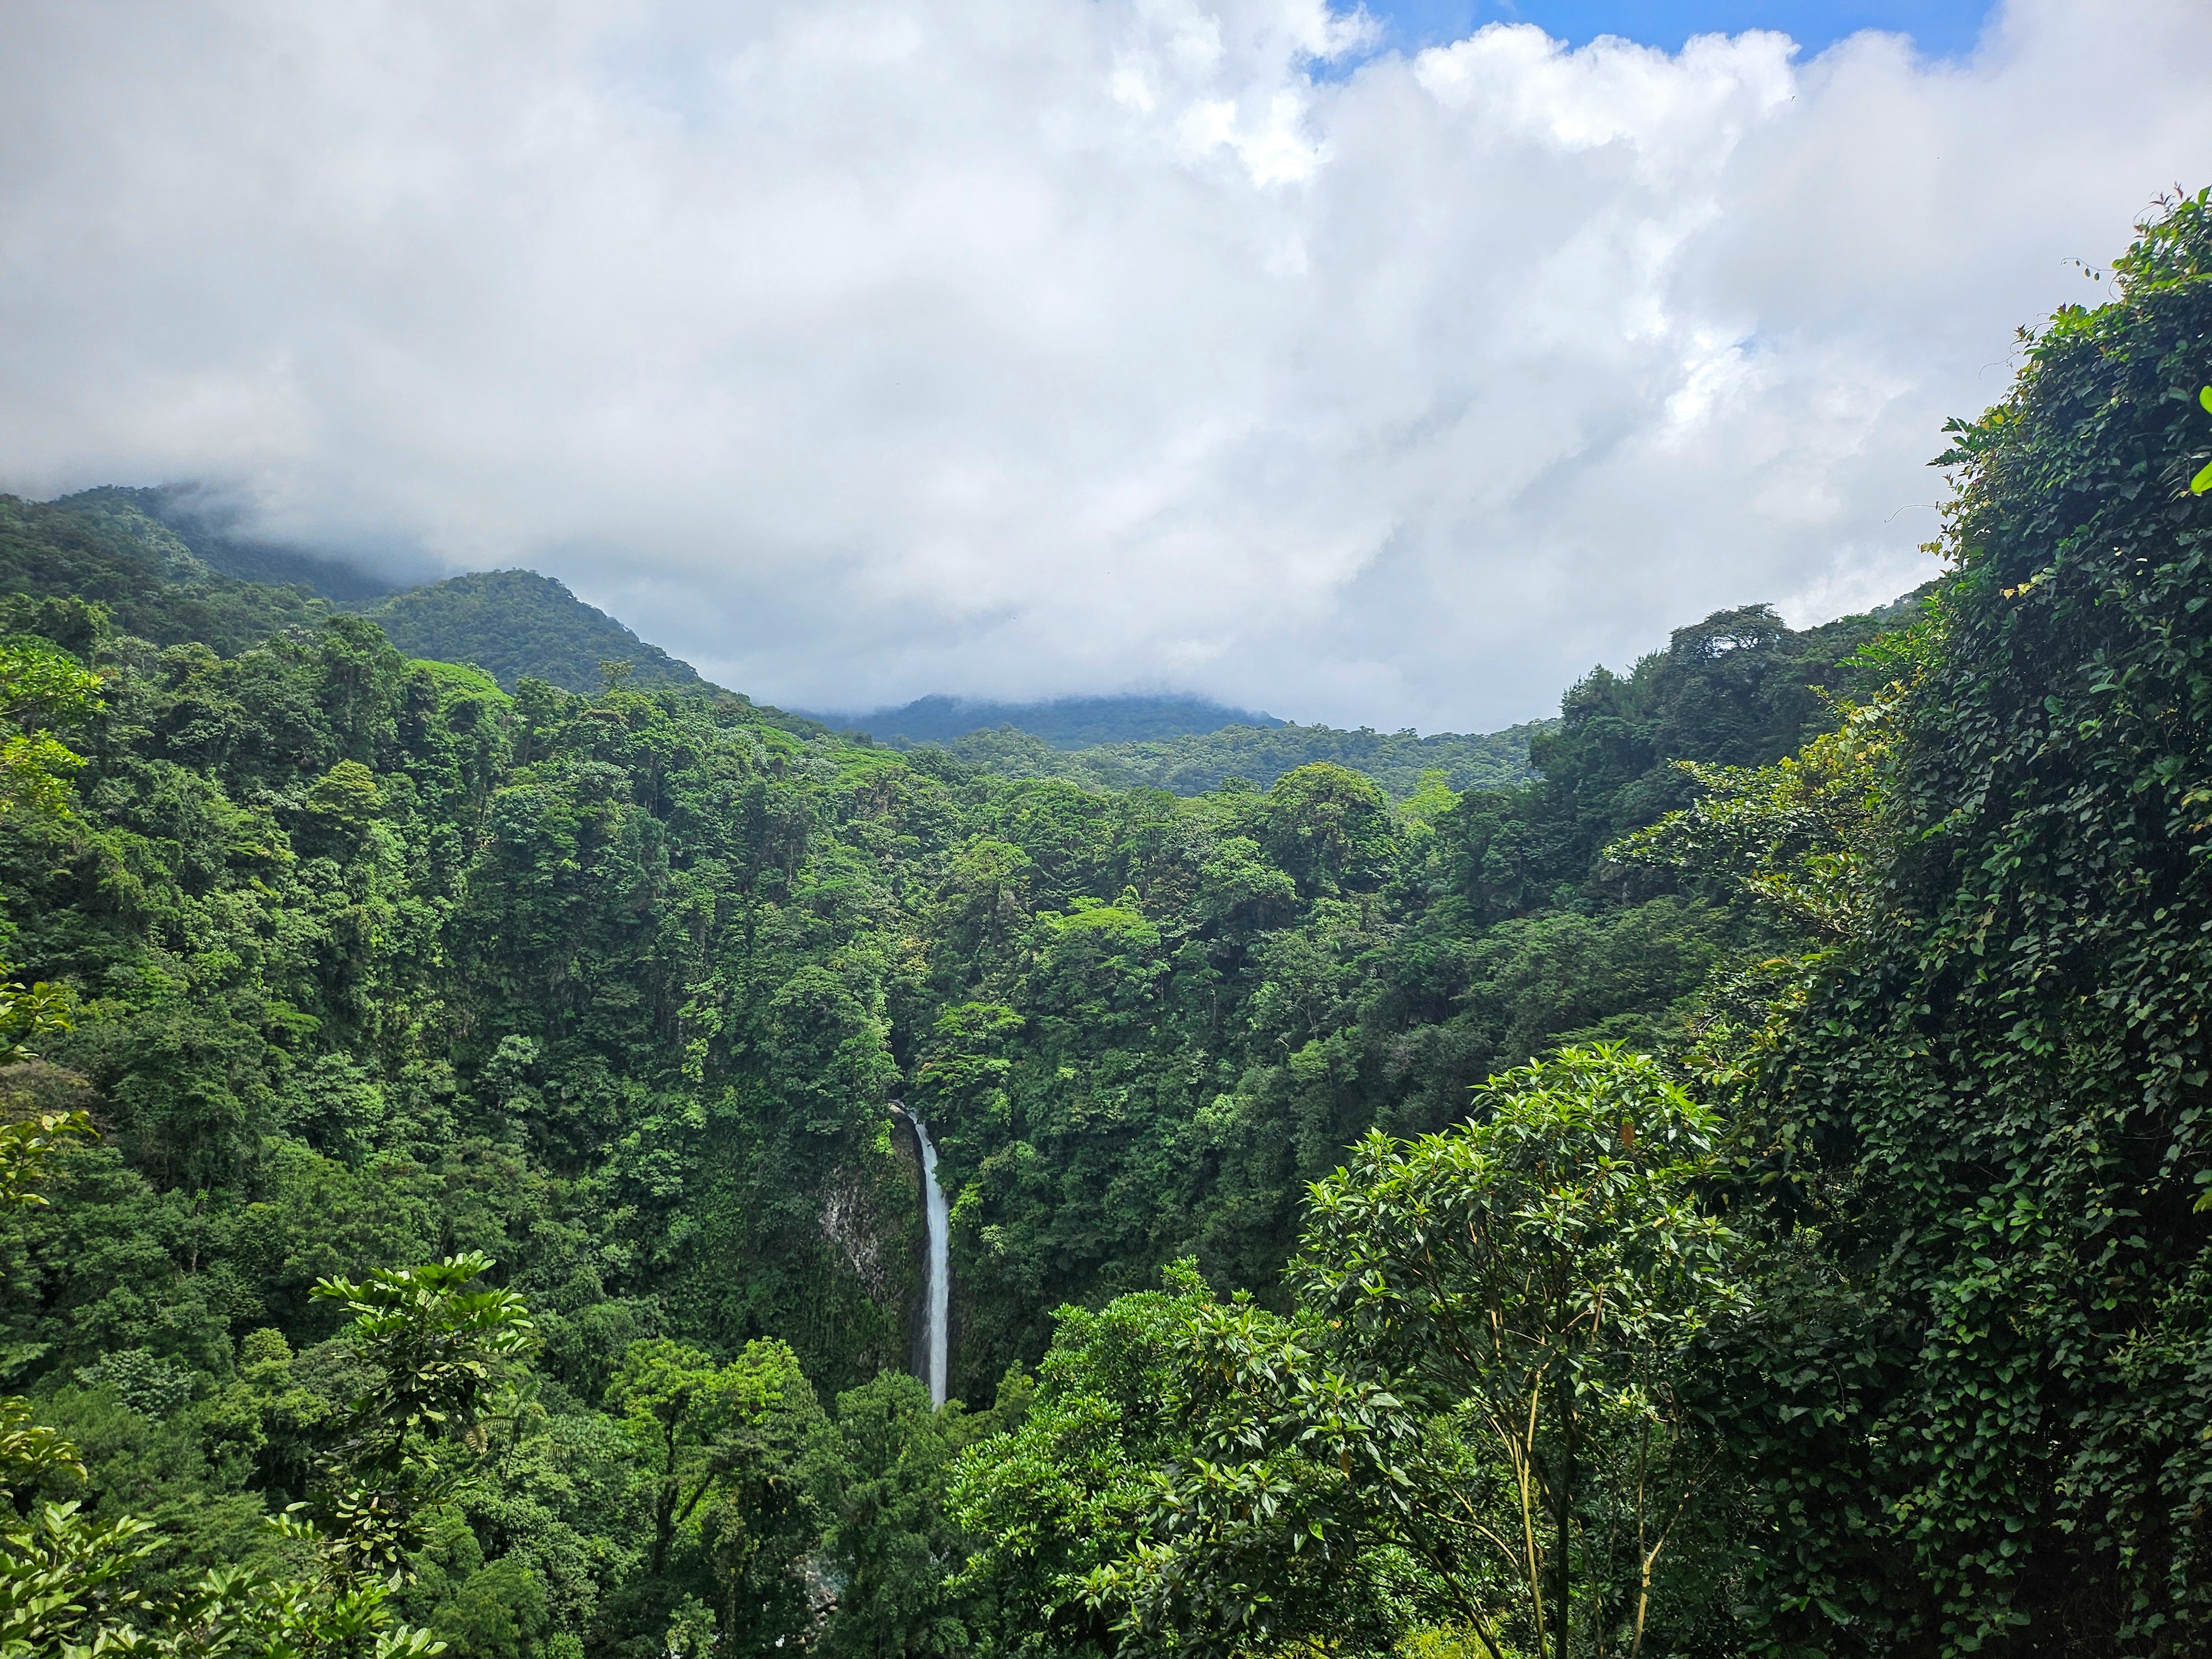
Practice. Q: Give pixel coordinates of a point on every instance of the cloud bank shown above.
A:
(1012, 347)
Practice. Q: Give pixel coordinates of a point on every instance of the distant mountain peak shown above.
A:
(1061, 722)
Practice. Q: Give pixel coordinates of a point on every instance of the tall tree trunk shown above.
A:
(1566, 1499)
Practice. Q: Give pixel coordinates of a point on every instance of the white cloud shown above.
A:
(858, 350)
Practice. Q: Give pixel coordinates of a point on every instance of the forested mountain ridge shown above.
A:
(1188, 745)
(1061, 723)
(513, 624)
(516, 622)
(1204, 758)
(205, 524)
(126, 548)
(1853, 1303)
(150, 582)
(1194, 763)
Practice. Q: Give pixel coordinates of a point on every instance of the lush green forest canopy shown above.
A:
(1737, 1187)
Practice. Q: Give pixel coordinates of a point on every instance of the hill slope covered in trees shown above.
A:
(208, 524)
(513, 624)
(1194, 763)
(1061, 723)
(113, 545)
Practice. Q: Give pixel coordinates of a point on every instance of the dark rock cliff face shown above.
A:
(872, 1219)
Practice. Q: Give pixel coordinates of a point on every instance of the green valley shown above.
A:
(1719, 1172)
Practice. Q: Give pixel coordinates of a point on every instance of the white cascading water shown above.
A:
(940, 1216)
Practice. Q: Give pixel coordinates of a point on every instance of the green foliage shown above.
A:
(62, 1577)
(1790, 836)
(720, 1449)
(1051, 1499)
(1972, 1119)
(434, 1350)
(67, 1580)
(1537, 1281)
(884, 1461)
(2201, 483)
(40, 689)
(143, 578)
(1484, 1411)
(27, 1145)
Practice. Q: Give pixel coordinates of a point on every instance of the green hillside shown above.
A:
(368, 961)
(1193, 763)
(110, 545)
(154, 586)
(206, 528)
(614, 986)
(516, 623)
(1061, 723)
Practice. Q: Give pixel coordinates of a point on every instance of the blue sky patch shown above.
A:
(1941, 28)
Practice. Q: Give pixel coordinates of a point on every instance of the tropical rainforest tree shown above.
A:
(1484, 1413)
(1971, 1119)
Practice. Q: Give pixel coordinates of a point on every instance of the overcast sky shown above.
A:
(854, 351)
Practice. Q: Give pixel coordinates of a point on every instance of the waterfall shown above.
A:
(941, 1263)
(939, 1216)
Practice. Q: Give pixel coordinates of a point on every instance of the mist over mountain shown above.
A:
(209, 524)
(169, 577)
(1338, 391)
(165, 568)
(107, 551)
(1188, 745)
